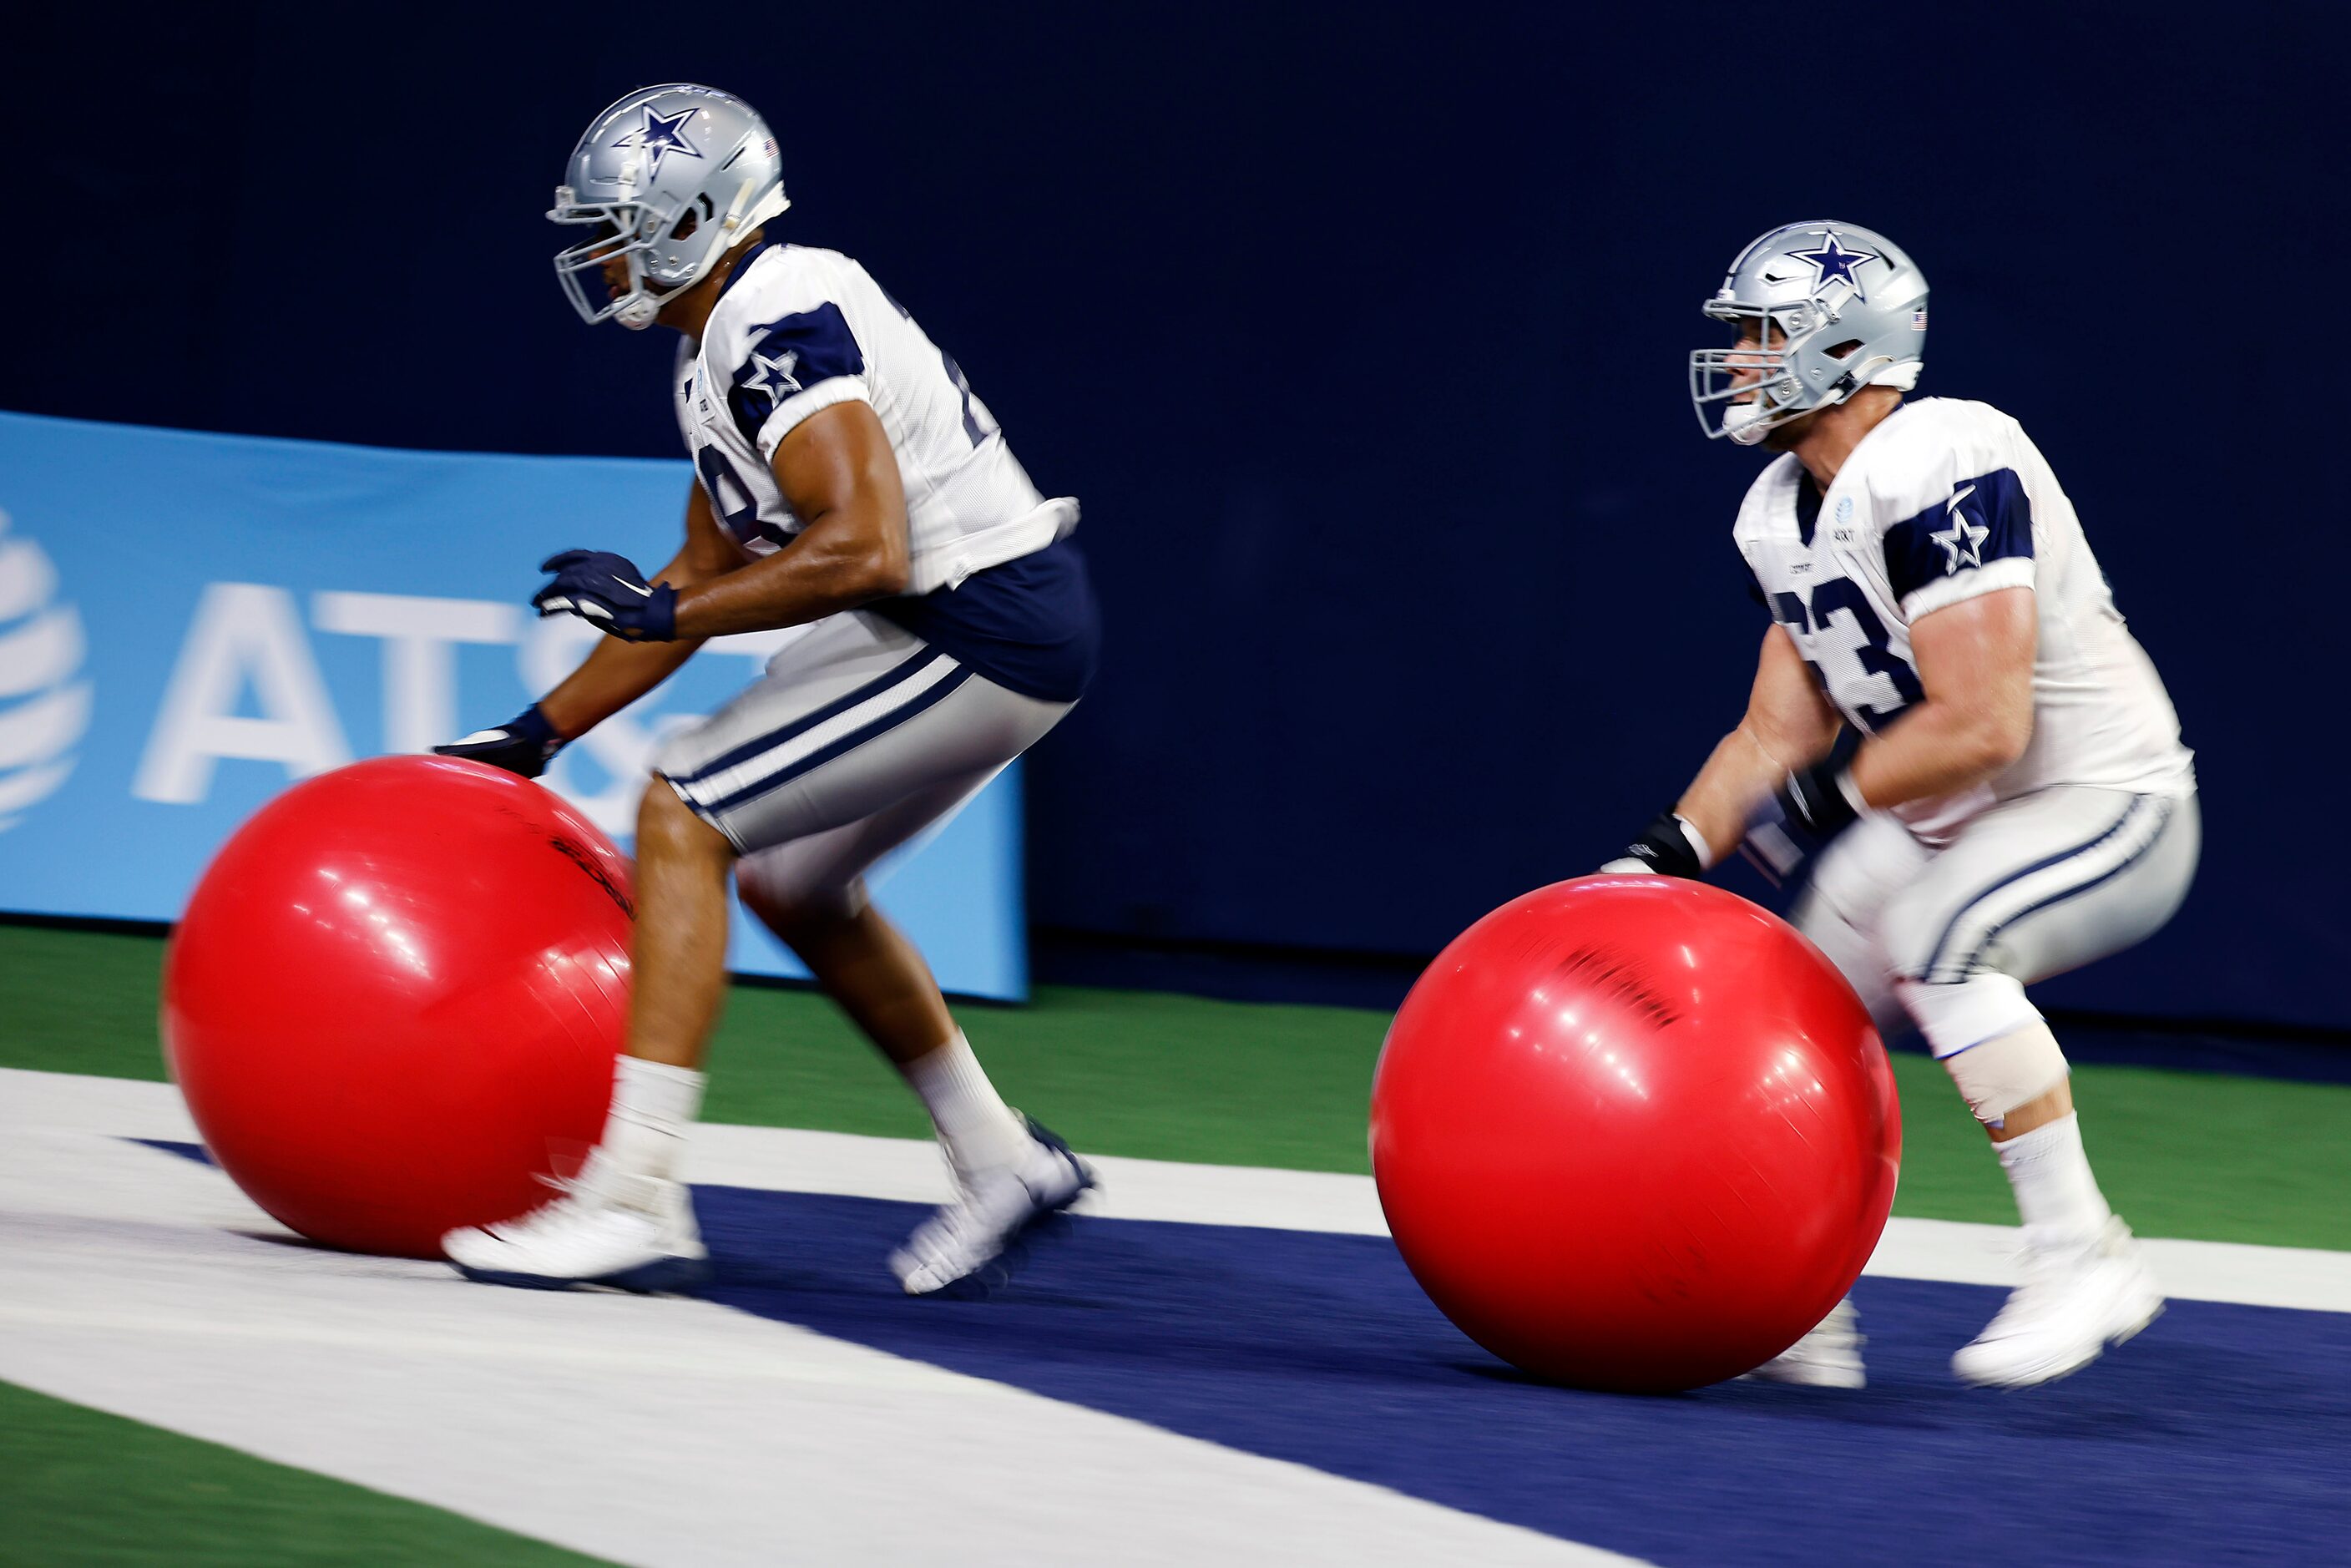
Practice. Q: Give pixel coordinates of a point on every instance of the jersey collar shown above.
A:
(744, 267)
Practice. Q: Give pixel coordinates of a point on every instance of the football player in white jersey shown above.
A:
(2019, 802)
(849, 482)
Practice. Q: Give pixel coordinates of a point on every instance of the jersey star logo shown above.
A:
(774, 376)
(1963, 542)
(660, 135)
(1834, 263)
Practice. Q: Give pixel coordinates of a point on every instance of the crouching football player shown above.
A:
(2018, 803)
(848, 478)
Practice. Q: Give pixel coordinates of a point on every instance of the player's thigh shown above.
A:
(823, 873)
(2045, 884)
(825, 669)
(1843, 906)
(852, 720)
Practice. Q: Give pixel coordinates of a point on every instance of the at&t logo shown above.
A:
(44, 703)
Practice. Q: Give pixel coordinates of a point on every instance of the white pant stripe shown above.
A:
(767, 764)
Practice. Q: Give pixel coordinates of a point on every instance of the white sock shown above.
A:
(2056, 1196)
(653, 1105)
(980, 1132)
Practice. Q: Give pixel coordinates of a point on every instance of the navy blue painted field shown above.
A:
(2220, 1435)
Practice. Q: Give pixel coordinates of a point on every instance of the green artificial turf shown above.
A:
(79, 1486)
(79, 1001)
(1124, 1073)
(2210, 1156)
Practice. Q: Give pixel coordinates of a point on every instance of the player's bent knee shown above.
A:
(1998, 1075)
(668, 827)
(794, 911)
(1990, 1039)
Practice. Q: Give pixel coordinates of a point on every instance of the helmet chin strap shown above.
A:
(1746, 423)
(638, 313)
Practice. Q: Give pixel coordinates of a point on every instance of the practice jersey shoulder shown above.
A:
(1943, 501)
(798, 329)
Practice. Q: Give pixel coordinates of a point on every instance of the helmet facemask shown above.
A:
(665, 246)
(1760, 381)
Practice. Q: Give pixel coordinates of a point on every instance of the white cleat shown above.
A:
(606, 1229)
(991, 1212)
(1827, 1357)
(2074, 1302)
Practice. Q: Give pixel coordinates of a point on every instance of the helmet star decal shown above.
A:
(1834, 263)
(660, 136)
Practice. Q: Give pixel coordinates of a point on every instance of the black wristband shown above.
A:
(1816, 798)
(1666, 849)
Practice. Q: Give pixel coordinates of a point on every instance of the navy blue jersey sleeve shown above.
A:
(1953, 550)
(787, 357)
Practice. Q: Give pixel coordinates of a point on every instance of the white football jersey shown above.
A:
(1941, 501)
(798, 329)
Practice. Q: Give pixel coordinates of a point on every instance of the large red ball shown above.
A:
(1634, 1134)
(395, 998)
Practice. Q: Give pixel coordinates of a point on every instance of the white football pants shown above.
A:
(2032, 887)
(859, 736)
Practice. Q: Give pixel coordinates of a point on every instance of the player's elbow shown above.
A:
(862, 564)
(1998, 737)
(885, 573)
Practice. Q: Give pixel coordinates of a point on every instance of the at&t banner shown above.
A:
(189, 623)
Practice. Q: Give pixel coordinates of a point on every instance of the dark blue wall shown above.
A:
(1360, 328)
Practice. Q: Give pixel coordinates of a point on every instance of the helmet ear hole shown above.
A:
(697, 212)
(1843, 350)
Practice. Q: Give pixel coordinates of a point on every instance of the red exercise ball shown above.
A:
(395, 996)
(1634, 1134)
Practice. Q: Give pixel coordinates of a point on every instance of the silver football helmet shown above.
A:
(670, 177)
(1824, 310)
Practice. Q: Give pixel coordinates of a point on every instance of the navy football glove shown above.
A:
(523, 745)
(1810, 807)
(610, 594)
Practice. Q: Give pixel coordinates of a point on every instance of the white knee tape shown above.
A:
(1957, 1016)
(1990, 1040)
(1998, 1075)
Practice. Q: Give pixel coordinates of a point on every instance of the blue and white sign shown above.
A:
(190, 623)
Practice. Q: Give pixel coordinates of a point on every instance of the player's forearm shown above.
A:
(1741, 771)
(614, 676)
(1938, 749)
(835, 564)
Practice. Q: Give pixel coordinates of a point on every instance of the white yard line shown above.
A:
(652, 1431)
(791, 1160)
